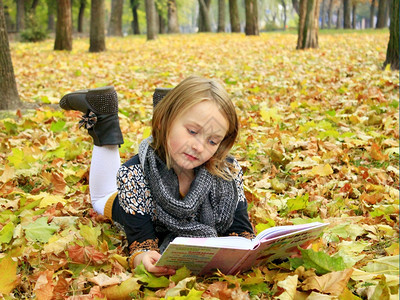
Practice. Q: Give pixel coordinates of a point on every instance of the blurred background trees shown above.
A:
(33, 20)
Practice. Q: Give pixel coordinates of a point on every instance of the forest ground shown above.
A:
(319, 141)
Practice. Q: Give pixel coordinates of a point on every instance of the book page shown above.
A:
(200, 260)
(283, 230)
(230, 242)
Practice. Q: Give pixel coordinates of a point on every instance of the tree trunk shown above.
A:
(115, 25)
(204, 16)
(173, 23)
(380, 23)
(372, 14)
(33, 6)
(330, 9)
(392, 53)
(221, 16)
(234, 16)
(20, 15)
(322, 14)
(81, 14)
(296, 6)
(63, 39)
(135, 19)
(308, 24)
(162, 26)
(251, 17)
(97, 34)
(50, 17)
(151, 20)
(9, 98)
(354, 16)
(284, 14)
(346, 14)
(339, 19)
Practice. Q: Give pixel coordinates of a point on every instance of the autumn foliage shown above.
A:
(319, 141)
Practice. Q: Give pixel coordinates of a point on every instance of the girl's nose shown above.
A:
(198, 145)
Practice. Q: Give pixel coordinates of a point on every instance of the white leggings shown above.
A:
(103, 175)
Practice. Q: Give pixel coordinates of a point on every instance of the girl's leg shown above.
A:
(103, 173)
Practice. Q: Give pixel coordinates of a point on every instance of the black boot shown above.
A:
(100, 107)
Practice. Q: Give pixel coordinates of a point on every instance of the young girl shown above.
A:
(181, 183)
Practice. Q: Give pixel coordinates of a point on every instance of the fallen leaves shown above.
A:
(318, 142)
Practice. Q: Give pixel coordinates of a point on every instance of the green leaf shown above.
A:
(193, 295)
(90, 234)
(57, 126)
(322, 262)
(300, 202)
(152, 281)
(6, 233)
(180, 274)
(385, 265)
(39, 230)
(19, 159)
(256, 289)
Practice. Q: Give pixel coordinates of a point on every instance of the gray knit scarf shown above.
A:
(206, 211)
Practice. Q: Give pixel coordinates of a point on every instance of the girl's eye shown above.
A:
(192, 132)
(213, 143)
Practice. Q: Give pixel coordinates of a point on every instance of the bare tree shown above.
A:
(392, 53)
(372, 14)
(97, 35)
(330, 9)
(381, 21)
(354, 15)
(173, 23)
(9, 98)
(20, 15)
(346, 14)
(251, 17)
(221, 16)
(204, 16)
(135, 18)
(115, 25)
(151, 20)
(63, 39)
(81, 14)
(308, 24)
(234, 16)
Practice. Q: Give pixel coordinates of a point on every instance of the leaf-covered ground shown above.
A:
(319, 141)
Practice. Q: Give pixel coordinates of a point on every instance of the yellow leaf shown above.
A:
(321, 170)
(8, 279)
(290, 286)
(123, 290)
(270, 115)
(146, 132)
(332, 283)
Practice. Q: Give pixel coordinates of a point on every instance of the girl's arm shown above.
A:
(132, 209)
(241, 224)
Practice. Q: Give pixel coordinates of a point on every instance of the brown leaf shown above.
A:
(332, 283)
(44, 286)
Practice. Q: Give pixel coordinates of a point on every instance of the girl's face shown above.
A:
(195, 136)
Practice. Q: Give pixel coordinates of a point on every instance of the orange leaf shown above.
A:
(44, 285)
(377, 154)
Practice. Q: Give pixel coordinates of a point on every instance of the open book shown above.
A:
(232, 254)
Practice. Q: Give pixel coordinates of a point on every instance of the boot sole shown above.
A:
(102, 100)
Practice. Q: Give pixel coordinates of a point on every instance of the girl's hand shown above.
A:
(149, 259)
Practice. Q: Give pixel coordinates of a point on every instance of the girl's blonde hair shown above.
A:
(189, 92)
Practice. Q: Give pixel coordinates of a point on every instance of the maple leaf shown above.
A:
(40, 230)
(332, 283)
(44, 286)
(9, 278)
